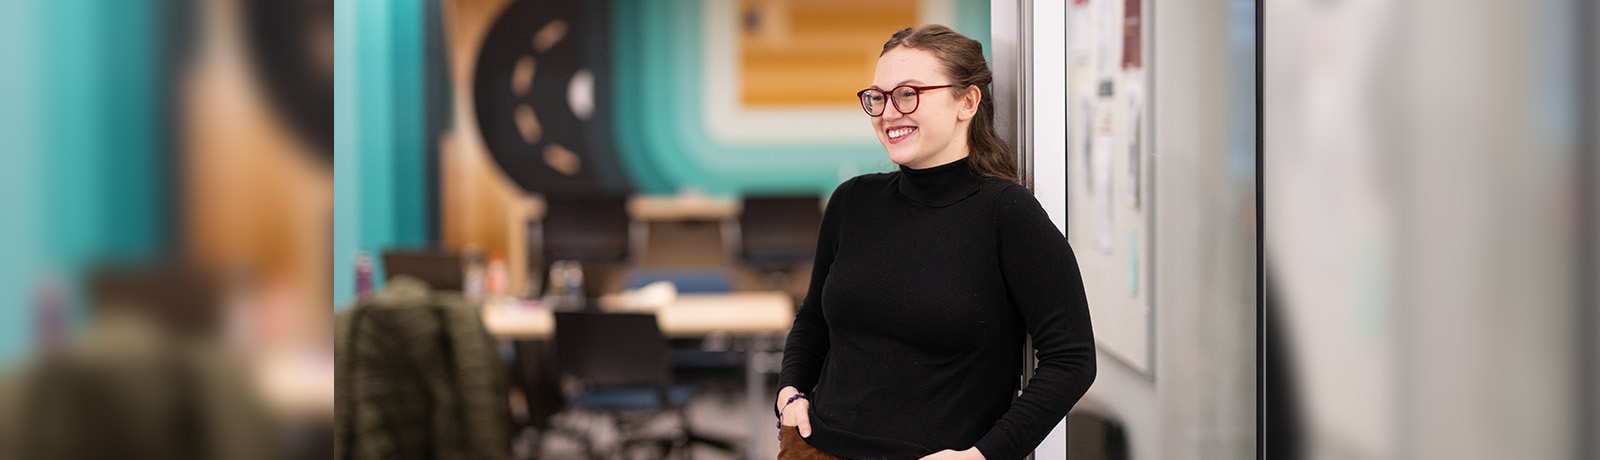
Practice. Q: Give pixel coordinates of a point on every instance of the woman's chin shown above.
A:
(900, 156)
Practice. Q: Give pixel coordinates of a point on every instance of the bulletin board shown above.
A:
(1110, 180)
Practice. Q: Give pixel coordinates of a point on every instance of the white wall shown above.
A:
(1047, 108)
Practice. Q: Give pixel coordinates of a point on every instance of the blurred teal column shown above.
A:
(84, 174)
(19, 126)
(379, 163)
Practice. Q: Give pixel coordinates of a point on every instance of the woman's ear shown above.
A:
(969, 103)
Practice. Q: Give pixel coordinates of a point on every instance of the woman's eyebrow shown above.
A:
(902, 82)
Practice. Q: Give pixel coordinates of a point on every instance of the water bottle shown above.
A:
(363, 275)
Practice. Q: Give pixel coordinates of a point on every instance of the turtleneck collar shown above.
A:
(939, 186)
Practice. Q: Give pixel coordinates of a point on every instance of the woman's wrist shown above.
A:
(783, 395)
(786, 402)
(790, 400)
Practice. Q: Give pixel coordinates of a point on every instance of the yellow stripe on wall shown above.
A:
(814, 52)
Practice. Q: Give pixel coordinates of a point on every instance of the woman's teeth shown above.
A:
(900, 132)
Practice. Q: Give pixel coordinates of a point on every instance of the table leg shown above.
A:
(755, 393)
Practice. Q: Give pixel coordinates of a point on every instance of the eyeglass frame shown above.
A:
(889, 95)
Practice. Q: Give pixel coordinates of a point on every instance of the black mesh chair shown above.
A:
(533, 372)
(616, 364)
(591, 229)
(776, 234)
(442, 269)
(779, 232)
(709, 361)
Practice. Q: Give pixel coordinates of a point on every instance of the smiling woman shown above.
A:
(931, 137)
(949, 127)
(927, 280)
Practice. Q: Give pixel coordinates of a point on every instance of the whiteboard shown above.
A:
(1109, 171)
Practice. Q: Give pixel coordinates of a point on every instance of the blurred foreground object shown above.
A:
(151, 377)
(1428, 211)
(143, 132)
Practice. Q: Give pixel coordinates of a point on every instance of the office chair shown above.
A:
(706, 360)
(532, 370)
(589, 228)
(688, 280)
(776, 234)
(182, 301)
(594, 230)
(442, 269)
(616, 364)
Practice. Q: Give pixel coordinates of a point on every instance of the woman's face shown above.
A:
(936, 132)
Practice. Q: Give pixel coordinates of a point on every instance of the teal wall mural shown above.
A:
(661, 112)
(380, 174)
(94, 147)
(660, 122)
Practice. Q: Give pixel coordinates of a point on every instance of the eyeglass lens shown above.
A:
(905, 100)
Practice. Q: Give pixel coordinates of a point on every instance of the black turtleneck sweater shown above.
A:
(925, 285)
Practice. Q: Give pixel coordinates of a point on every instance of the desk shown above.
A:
(691, 316)
(682, 207)
(751, 314)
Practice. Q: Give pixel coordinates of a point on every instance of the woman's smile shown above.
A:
(899, 133)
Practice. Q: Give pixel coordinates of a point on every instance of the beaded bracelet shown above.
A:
(792, 399)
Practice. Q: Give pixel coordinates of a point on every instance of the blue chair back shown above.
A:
(688, 280)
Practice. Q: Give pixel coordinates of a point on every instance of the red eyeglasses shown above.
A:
(872, 99)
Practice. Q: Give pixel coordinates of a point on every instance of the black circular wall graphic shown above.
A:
(541, 95)
(291, 47)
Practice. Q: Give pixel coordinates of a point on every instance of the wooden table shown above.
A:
(743, 314)
(683, 207)
(691, 316)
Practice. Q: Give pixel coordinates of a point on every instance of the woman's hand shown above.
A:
(971, 453)
(797, 414)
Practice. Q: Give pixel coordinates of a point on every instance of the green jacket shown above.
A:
(418, 377)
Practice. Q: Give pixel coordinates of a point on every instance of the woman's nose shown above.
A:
(892, 113)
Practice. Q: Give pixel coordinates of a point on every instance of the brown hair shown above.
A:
(963, 63)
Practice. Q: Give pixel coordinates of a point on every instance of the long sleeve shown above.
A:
(807, 346)
(1045, 287)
